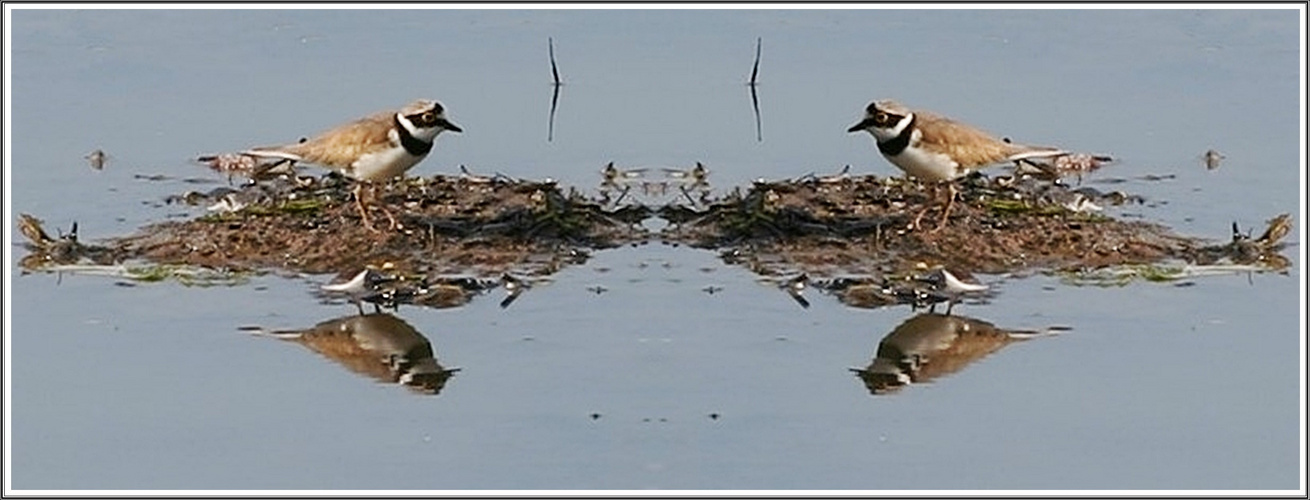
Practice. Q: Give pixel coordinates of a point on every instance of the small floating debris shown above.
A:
(1158, 177)
(97, 159)
(1211, 159)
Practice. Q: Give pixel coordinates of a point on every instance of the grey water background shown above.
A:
(656, 384)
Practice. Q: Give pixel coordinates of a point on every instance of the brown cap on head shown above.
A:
(422, 105)
(880, 114)
(889, 106)
(884, 113)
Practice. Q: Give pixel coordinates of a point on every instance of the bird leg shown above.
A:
(932, 198)
(914, 224)
(359, 203)
(363, 212)
(950, 202)
(391, 218)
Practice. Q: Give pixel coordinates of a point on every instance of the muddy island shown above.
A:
(871, 241)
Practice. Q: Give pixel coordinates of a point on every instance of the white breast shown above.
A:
(924, 164)
(386, 163)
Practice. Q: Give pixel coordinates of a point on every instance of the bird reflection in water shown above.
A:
(379, 346)
(932, 345)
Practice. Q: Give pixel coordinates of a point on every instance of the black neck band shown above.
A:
(412, 145)
(897, 144)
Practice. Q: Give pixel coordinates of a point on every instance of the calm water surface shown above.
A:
(655, 383)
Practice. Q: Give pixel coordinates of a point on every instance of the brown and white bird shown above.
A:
(378, 147)
(934, 148)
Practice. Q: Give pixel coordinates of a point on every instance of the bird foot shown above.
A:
(363, 217)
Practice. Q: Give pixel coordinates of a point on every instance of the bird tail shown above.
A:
(1031, 152)
(279, 152)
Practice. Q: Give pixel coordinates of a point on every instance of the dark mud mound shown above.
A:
(868, 239)
(872, 241)
(314, 225)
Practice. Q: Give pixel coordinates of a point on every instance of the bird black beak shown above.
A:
(864, 124)
(445, 124)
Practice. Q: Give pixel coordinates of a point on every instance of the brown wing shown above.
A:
(341, 146)
(969, 146)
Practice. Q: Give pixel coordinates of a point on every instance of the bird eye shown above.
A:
(429, 116)
(880, 117)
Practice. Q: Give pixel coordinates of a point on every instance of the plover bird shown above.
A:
(375, 148)
(934, 148)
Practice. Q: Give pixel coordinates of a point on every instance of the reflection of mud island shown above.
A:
(819, 225)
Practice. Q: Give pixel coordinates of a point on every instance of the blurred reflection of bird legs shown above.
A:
(514, 287)
(795, 287)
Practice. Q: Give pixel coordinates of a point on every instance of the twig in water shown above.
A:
(554, 98)
(755, 100)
